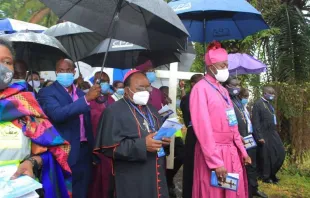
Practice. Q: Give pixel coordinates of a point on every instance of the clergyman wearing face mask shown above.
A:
(157, 98)
(215, 124)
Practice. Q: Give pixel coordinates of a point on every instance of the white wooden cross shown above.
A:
(174, 75)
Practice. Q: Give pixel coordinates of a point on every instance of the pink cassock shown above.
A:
(218, 143)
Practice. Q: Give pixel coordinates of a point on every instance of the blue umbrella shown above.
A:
(9, 26)
(208, 20)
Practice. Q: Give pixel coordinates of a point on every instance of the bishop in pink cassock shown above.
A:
(219, 146)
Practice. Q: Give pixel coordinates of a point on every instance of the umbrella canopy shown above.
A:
(77, 40)
(9, 26)
(186, 59)
(39, 51)
(148, 23)
(244, 64)
(125, 55)
(208, 20)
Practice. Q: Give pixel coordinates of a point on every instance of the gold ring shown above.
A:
(158, 150)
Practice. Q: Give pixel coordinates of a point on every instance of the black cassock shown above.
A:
(189, 149)
(137, 172)
(271, 155)
(243, 130)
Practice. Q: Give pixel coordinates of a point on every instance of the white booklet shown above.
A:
(19, 187)
(231, 182)
(165, 111)
(249, 142)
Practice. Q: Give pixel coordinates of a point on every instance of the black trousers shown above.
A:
(188, 167)
(178, 161)
(252, 173)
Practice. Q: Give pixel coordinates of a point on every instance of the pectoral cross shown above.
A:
(146, 126)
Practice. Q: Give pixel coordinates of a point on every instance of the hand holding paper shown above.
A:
(18, 187)
(168, 129)
(230, 183)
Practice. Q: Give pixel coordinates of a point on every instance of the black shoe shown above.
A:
(275, 179)
(172, 193)
(260, 194)
(268, 181)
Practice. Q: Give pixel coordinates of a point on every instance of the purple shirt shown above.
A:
(74, 97)
(157, 99)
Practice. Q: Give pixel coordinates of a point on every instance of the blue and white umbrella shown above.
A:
(9, 26)
(209, 20)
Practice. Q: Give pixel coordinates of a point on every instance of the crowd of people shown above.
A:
(98, 140)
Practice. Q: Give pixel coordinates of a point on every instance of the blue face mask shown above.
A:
(151, 76)
(269, 97)
(65, 79)
(244, 101)
(105, 87)
(120, 91)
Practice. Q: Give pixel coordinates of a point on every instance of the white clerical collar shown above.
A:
(264, 99)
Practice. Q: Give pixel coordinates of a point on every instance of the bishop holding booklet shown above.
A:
(126, 135)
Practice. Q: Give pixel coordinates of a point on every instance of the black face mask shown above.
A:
(233, 91)
(6, 76)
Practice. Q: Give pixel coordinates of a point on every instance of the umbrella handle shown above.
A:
(112, 31)
(75, 55)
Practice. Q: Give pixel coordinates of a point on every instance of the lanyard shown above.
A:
(214, 87)
(271, 107)
(149, 119)
(241, 111)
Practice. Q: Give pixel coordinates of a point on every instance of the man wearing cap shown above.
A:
(126, 135)
(219, 147)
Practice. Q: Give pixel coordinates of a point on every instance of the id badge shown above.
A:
(231, 116)
(161, 152)
(275, 119)
(250, 128)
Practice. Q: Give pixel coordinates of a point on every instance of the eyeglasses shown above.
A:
(149, 89)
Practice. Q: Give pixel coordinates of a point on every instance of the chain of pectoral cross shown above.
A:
(145, 123)
(242, 114)
(272, 113)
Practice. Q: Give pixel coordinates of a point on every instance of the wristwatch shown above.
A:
(34, 163)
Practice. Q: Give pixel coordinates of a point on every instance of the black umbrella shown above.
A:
(39, 51)
(148, 23)
(77, 40)
(125, 55)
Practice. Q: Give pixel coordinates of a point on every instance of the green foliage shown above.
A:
(199, 64)
(290, 186)
(25, 9)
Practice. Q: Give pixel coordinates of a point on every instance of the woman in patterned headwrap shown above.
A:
(27, 138)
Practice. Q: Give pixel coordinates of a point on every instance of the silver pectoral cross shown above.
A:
(146, 125)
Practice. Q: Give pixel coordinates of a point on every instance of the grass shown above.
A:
(294, 183)
(290, 186)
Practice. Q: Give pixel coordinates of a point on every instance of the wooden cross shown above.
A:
(173, 75)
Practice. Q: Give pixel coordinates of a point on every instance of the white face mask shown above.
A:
(222, 75)
(36, 84)
(141, 97)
